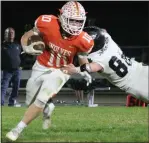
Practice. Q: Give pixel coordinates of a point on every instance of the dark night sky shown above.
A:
(127, 22)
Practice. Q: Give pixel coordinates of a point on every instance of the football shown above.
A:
(36, 38)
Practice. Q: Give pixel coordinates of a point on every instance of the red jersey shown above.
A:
(61, 50)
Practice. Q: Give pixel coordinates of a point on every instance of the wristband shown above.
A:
(85, 67)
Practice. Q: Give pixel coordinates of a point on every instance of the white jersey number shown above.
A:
(46, 18)
(119, 67)
(87, 38)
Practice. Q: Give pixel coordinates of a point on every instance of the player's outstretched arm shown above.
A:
(83, 70)
(88, 67)
(94, 67)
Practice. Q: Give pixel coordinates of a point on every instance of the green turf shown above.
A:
(83, 124)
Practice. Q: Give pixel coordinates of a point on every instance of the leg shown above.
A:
(49, 108)
(139, 84)
(92, 96)
(82, 95)
(32, 89)
(15, 87)
(56, 80)
(78, 96)
(4, 84)
(33, 111)
(89, 99)
(47, 113)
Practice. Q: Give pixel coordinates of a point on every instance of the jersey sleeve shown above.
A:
(43, 22)
(86, 43)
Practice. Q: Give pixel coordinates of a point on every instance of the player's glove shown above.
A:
(87, 77)
(30, 50)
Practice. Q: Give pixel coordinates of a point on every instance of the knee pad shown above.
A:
(39, 103)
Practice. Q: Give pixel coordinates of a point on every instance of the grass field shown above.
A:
(83, 124)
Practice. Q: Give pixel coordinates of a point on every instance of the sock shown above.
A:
(21, 126)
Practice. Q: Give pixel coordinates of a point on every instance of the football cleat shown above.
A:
(13, 134)
(47, 116)
(46, 123)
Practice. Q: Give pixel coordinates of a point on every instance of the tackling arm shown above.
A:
(83, 70)
(90, 67)
(86, 66)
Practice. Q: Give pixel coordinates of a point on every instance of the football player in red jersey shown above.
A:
(63, 38)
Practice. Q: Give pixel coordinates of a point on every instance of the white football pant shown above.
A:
(139, 83)
(43, 83)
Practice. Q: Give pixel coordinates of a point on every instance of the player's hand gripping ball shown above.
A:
(36, 38)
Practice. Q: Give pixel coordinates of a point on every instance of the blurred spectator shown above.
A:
(10, 51)
(79, 95)
(77, 85)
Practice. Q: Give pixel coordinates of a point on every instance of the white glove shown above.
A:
(87, 77)
(30, 50)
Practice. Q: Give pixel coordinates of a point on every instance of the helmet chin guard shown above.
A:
(72, 18)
